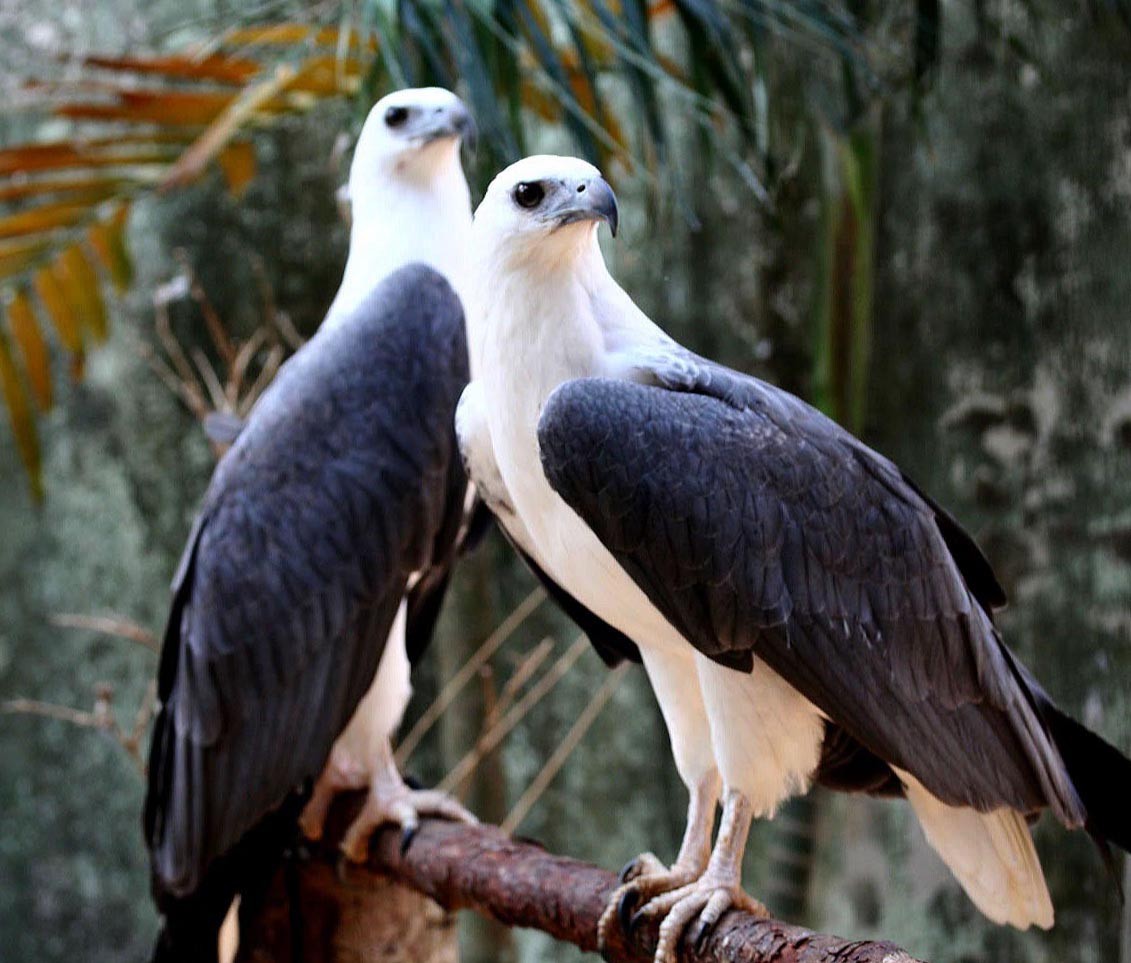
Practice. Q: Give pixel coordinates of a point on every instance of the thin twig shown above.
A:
(188, 393)
(455, 685)
(216, 330)
(199, 384)
(527, 666)
(558, 757)
(491, 713)
(264, 378)
(266, 292)
(489, 740)
(49, 710)
(239, 366)
(209, 379)
(287, 331)
(102, 719)
(172, 346)
(495, 704)
(114, 625)
(143, 716)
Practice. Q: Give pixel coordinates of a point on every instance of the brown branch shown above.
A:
(115, 625)
(101, 719)
(520, 884)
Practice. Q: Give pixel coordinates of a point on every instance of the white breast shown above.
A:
(520, 369)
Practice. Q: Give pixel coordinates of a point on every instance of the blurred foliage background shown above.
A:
(914, 214)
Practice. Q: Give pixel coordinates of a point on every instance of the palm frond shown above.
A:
(161, 122)
(622, 78)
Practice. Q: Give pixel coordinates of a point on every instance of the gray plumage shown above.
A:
(345, 481)
(757, 526)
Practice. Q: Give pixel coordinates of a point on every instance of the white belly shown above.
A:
(580, 562)
(379, 713)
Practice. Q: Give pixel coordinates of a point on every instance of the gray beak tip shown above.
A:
(605, 202)
(468, 132)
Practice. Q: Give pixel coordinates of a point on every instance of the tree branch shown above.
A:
(520, 884)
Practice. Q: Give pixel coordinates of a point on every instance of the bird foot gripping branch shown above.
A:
(389, 801)
(643, 881)
(403, 807)
(690, 909)
(693, 895)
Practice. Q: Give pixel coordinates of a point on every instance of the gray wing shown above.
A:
(333, 494)
(758, 527)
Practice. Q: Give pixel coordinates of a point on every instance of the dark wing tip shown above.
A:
(1100, 773)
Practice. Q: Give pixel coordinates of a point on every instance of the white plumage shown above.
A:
(991, 855)
(409, 200)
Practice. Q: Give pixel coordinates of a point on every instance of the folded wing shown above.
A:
(757, 525)
(335, 492)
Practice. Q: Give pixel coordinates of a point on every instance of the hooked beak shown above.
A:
(589, 200)
(453, 121)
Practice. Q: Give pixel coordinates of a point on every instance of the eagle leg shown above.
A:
(645, 878)
(390, 800)
(706, 899)
(342, 773)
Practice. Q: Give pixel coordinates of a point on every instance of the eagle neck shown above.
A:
(400, 222)
(538, 327)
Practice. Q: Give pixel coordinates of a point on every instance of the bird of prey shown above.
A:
(805, 613)
(315, 569)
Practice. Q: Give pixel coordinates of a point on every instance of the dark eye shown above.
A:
(529, 194)
(395, 116)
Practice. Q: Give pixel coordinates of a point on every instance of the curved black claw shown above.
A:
(634, 924)
(699, 933)
(625, 907)
(408, 834)
(628, 870)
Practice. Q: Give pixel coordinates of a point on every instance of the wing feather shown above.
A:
(332, 495)
(755, 524)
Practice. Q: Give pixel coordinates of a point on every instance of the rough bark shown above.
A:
(316, 914)
(513, 881)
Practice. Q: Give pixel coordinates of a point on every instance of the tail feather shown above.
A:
(990, 854)
(1102, 775)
